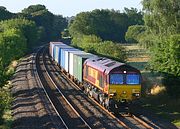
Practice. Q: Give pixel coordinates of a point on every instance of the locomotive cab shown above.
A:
(112, 83)
(124, 87)
(124, 83)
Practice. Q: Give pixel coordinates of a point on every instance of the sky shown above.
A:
(71, 7)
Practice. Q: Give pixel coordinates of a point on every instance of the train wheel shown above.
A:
(86, 91)
(102, 103)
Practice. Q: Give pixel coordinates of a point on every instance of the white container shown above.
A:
(67, 53)
(56, 53)
(52, 45)
(71, 60)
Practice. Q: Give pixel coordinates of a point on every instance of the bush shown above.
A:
(95, 45)
(28, 29)
(12, 45)
(172, 85)
(146, 40)
(5, 100)
(165, 58)
(112, 50)
(133, 33)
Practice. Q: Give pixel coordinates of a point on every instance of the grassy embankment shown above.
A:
(154, 95)
(5, 93)
(7, 117)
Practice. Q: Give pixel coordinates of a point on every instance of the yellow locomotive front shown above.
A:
(124, 83)
(124, 87)
(112, 83)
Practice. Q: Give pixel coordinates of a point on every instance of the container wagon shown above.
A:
(113, 84)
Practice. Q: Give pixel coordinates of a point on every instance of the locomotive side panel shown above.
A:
(92, 76)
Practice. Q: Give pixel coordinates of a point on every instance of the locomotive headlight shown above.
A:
(124, 92)
(136, 94)
(113, 94)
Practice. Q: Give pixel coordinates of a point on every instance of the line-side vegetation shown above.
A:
(111, 33)
(156, 29)
(19, 34)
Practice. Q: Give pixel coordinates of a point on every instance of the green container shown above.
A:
(78, 61)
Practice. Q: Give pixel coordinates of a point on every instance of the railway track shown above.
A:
(69, 100)
(65, 111)
(130, 121)
(96, 117)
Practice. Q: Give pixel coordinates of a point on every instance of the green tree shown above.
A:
(162, 16)
(163, 26)
(65, 33)
(52, 24)
(111, 50)
(5, 101)
(28, 28)
(166, 55)
(135, 17)
(5, 14)
(59, 23)
(95, 45)
(16, 36)
(12, 46)
(134, 32)
(106, 24)
(41, 16)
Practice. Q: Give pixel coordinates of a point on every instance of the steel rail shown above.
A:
(143, 123)
(36, 57)
(109, 113)
(63, 95)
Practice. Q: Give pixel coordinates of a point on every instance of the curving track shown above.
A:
(73, 106)
(89, 110)
(68, 116)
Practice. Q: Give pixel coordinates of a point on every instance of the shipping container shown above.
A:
(78, 65)
(71, 60)
(51, 47)
(56, 51)
(59, 46)
(67, 53)
(63, 55)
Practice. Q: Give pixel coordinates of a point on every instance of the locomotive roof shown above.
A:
(103, 64)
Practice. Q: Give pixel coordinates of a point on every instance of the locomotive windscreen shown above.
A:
(133, 79)
(116, 78)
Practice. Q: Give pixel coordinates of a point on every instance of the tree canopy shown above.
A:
(12, 45)
(28, 28)
(134, 32)
(51, 24)
(106, 24)
(5, 14)
(94, 44)
(162, 20)
(162, 16)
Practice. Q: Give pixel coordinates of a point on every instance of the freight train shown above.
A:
(113, 84)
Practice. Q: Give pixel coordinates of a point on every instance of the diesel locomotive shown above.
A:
(113, 84)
